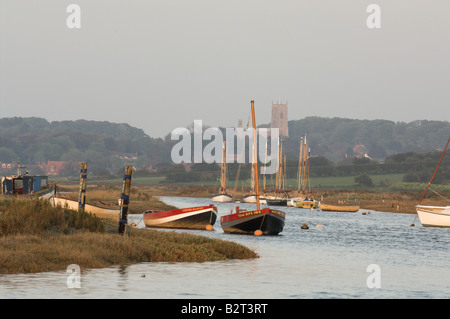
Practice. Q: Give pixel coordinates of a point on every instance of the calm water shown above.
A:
(326, 262)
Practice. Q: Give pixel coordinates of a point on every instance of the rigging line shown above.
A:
(435, 171)
(438, 194)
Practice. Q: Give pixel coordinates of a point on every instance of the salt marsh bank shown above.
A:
(333, 260)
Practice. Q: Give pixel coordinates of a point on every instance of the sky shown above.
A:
(161, 64)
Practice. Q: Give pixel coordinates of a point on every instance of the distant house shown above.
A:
(127, 156)
(360, 150)
(6, 167)
(54, 167)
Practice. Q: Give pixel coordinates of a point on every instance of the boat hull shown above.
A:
(46, 193)
(222, 198)
(337, 208)
(434, 216)
(252, 199)
(269, 221)
(307, 204)
(185, 218)
(276, 202)
(100, 211)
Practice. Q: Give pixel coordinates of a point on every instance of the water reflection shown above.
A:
(327, 262)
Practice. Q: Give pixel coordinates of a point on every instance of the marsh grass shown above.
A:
(35, 217)
(35, 237)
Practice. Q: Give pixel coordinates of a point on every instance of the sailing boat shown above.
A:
(304, 199)
(223, 197)
(251, 198)
(434, 216)
(264, 221)
(281, 197)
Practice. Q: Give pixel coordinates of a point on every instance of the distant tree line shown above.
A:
(416, 167)
(412, 148)
(103, 145)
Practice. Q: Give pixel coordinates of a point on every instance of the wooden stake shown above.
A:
(125, 199)
(83, 182)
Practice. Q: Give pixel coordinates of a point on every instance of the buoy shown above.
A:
(209, 227)
(258, 232)
(319, 226)
(363, 213)
(304, 226)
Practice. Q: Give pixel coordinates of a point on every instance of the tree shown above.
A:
(364, 180)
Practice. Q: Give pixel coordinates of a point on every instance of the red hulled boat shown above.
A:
(268, 221)
(201, 217)
(264, 221)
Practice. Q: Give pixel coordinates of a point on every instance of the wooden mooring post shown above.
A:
(83, 182)
(125, 199)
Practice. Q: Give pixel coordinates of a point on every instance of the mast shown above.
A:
(255, 159)
(284, 173)
(19, 171)
(265, 167)
(252, 180)
(299, 172)
(223, 176)
(435, 171)
(280, 167)
(304, 166)
(307, 176)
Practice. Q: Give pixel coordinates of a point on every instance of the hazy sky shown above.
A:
(161, 64)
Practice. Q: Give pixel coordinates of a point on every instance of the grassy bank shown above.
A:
(35, 237)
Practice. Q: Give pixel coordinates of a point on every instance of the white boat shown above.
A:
(434, 216)
(223, 197)
(101, 211)
(252, 199)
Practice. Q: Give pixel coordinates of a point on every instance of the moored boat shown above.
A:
(251, 199)
(338, 208)
(46, 193)
(268, 221)
(434, 216)
(223, 197)
(101, 211)
(264, 221)
(276, 201)
(307, 203)
(201, 217)
(304, 199)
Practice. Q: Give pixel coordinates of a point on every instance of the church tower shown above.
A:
(280, 118)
